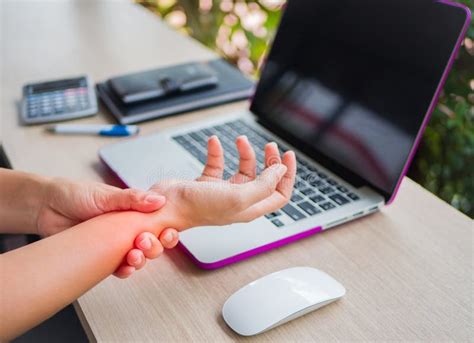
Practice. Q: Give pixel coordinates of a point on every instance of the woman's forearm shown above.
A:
(40, 279)
(20, 198)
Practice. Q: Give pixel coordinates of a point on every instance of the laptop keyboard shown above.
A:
(315, 192)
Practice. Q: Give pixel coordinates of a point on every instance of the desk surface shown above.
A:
(408, 269)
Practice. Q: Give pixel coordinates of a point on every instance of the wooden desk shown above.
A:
(407, 270)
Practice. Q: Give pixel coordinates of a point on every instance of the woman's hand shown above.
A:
(147, 246)
(210, 200)
(67, 203)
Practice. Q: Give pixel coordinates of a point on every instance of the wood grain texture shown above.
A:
(407, 270)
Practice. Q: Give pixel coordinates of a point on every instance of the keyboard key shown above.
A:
(353, 196)
(322, 175)
(272, 215)
(342, 189)
(293, 213)
(301, 172)
(331, 182)
(303, 163)
(317, 183)
(197, 137)
(327, 206)
(326, 190)
(179, 139)
(232, 165)
(339, 199)
(277, 222)
(307, 191)
(208, 132)
(198, 154)
(317, 198)
(308, 208)
(296, 198)
(299, 184)
(310, 178)
(202, 158)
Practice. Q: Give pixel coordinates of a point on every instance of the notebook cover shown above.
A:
(232, 86)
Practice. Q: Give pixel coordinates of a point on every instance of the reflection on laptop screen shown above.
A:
(353, 80)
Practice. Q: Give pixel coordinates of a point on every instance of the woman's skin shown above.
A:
(44, 206)
(57, 270)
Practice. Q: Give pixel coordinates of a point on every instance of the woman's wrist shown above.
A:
(170, 216)
(37, 188)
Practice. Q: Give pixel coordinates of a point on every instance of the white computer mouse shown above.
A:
(278, 298)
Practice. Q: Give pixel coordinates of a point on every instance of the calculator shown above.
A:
(58, 100)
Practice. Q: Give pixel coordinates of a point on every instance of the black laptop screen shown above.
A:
(351, 80)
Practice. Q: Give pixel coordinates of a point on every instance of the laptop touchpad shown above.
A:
(142, 162)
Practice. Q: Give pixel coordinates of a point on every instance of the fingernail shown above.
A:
(154, 198)
(168, 237)
(136, 258)
(145, 243)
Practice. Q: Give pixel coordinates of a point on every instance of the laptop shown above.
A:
(349, 86)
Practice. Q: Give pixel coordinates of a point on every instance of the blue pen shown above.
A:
(101, 130)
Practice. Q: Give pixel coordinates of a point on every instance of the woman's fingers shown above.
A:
(149, 245)
(247, 161)
(169, 238)
(279, 197)
(124, 271)
(285, 187)
(272, 154)
(214, 167)
(267, 205)
(135, 258)
(109, 199)
(262, 187)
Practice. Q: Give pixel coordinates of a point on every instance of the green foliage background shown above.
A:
(444, 163)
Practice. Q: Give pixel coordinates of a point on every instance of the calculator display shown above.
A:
(57, 85)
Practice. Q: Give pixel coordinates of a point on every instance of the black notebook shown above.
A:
(231, 85)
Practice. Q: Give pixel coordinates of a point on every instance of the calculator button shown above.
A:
(33, 114)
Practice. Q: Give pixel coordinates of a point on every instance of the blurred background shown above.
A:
(241, 31)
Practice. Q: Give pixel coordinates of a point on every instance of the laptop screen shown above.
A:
(350, 82)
